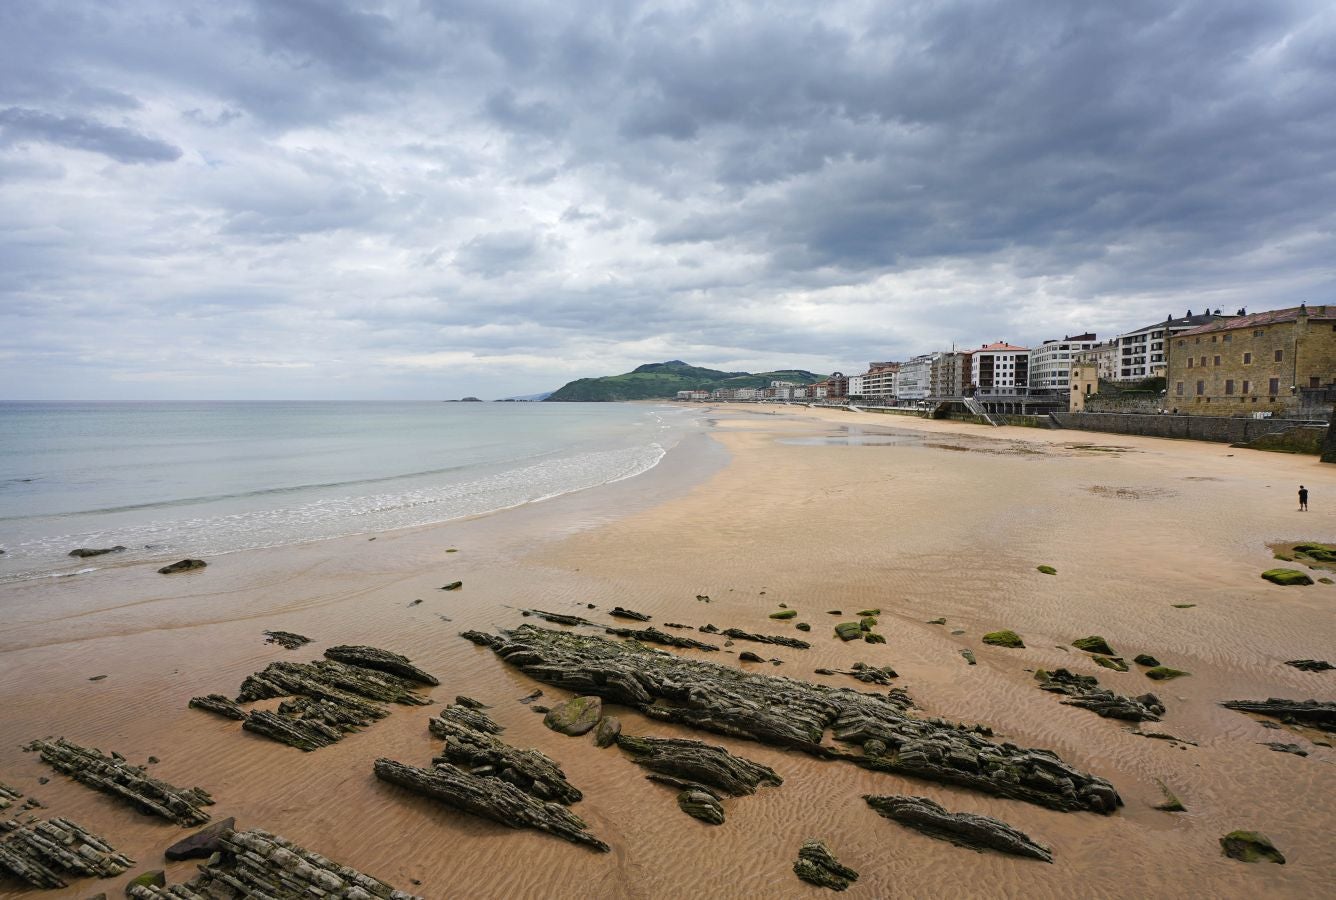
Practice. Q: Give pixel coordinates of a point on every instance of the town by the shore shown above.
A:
(937, 529)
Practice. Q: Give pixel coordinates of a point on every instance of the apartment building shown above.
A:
(1141, 354)
(998, 369)
(1259, 363)
(1051, 362)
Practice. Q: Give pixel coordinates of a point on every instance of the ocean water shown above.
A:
(200, 479)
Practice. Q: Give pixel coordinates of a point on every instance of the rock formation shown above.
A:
(1004, 638)
(738, 634)
(1310, 665)
(699, 763)
(1250, 846)
(1093, 644)
(132, 784)
(653, 635)
(575, 717)
(962, 829)
(478, 752)
(864, 673)
(797, 714)
(185, 565)
(816, 865)
(218, 705)
(621, 613)
(286, 639)
(701, 804)
(1084, 691)
(1299, 712)
(380, 661)
(1286, 576)
(43, 853)
(85, 552)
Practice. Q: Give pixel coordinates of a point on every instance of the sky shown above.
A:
(424, 199)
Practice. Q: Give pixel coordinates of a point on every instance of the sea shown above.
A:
(202, 479)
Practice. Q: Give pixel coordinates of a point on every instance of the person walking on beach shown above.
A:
(1303, 499)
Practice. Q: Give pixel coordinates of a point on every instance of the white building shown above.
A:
(931, 375)
(915, 376)
(1140, 354)
(880, 382)
(999, 369)
(855, 385)
(1051, 362)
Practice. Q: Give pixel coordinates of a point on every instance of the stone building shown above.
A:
(1271, 362)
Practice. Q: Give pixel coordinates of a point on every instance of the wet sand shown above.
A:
(818, 509)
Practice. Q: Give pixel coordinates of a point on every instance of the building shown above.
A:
(1141, 354)
(880, 382)
(998, 369)
(1089, 366)
(915, 376)
(932, 376)
(1051, 362)
(1261, 363)
(856, 385)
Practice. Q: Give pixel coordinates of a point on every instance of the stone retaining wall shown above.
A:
(1221, 429)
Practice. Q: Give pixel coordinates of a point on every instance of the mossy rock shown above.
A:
(784, 614)
(874, 638)
(848, 631)
(1286, 576)
(1093, 644)
(1047, 570)
(867, 623)
(870, 612)
(1325, 581)
(1171, 802)
(1145, 659)
(969, 656)
(938, 621)
(576, 716)
(1111, 662)
(1164, 673)
(1004, 638)
(1284, 557)
(1250, 846)
(156, 878)
(803, 626)
(1319, 552)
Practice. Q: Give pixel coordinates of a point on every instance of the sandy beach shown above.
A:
(816, 509)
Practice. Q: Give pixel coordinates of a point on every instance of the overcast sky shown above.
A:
(429, 198)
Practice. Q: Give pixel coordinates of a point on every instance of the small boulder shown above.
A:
(1145, 659)
(609, 727)
(969, 656)
(156, 878)
(1164, 673)
(1111, 662)
(203, 843)
(576, 716)
(1047, 570)
(185, 565)
(803, 626)
(1310, 665)
(784, 614)
(1286, 576)
(872, 637)
(748, 656)
(700, 804)
(84, 552)
(1250, 846)
(870, 612)
(848, 631)
(452, 586)
(1004, 638)
(1093, 644)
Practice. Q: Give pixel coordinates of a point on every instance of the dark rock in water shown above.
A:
(576, 716)
(1284, 748)
(1115, 663)
(675, 625)
(1164, 673)
(256, 864)
(785, 614)
(1084, 691)
(834, 612)
(1004, 638)
(470, 703)
(1306, 712)
(531, 697)
(452, 586)
(489, 798)
(131, 784)
(305, 734)
(969, 656)
(699, 762)
(748, 656)
(872, 637)
(1250, 846)
(154, 879)
(848, 631)
(185, 565)
(1145, 659)
(1311, 665)
(938, 621)
(707, 628)
(482, 755)
(653, 635)
(817, 866)
(8, 795)
(286, 639)
(865, 673)
(607, 731)
(469, 716)
(380, 661)
(45, 853)
(360, 690)
(961, 829)
(803, 626)
(218, 705)
(797, 714)
(1093, 644)
(202, 844)
(701, 805)
(621, 613)
(559, 618)
(97, 678)
(84, 552)
(779, 640)
(1171, 802)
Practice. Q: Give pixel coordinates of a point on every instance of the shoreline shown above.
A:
(948, 520)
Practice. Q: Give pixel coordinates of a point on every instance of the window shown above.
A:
(1227, 338)
(1229, 385)
(1247, 387)
(1183, 343)
(1199, 340)
(1213, 337)
(1189, 362)
(1179, 389)
(1280, 354)
(1275, 387)
(1247, 359)
(1217, 360)
(1258, 332)
(1314, 381)
(1203, 362)
(1201, 388)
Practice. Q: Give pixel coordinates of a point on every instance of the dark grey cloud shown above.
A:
(121, 144)
(554, 190)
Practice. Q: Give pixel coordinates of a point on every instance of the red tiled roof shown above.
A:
(1325, 313)
(999, 347)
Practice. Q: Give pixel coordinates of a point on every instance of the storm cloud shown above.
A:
(426, 198)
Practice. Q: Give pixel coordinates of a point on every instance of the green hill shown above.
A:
(658, 381)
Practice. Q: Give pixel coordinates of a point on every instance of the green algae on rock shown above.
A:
(1115, 663)
(1171, 803)
(849, 631)
(870, 612)
(1164, 673)
(1286, 576)
(576, 716)
(1250, 847)
(816, 865)
(1145, 659)
(969, 656)
(872, 637)
(785, 614)
(803, 626)
(1047, 570)
(1093, 644)
(1004, 638)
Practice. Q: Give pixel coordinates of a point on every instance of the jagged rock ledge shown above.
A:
(700, 763)
(1084, 691)
(817, 865)
(132, 784)
(792, 713)
(471, 746)
(1319, 714)
(288, 640)
(255, 863)
(42, 853)
(962, 829)
(865, 673)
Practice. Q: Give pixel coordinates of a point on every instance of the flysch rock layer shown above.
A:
(1084, 691)
(44, 853)
(963, 829)
(256, 865)
(797, 714)
(472, 747)
(132, 784)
